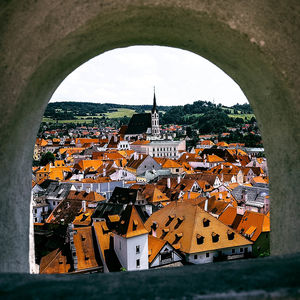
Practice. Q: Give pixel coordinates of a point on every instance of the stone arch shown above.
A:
(43, 41)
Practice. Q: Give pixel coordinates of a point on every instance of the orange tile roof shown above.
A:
(214, 158)
(206, 143)
(83, 195)
(154, 245)
(92, 164)
(169, 163)
(140, 142)
(185, 222)
(254, 219)
(222, 144)
(259, 179)
(54, 263)
(228, 216)
(83, 243)
(154, 195)
(130, 224)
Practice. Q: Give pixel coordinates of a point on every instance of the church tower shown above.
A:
(155, 130)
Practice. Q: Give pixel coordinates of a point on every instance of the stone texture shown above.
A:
(256, 42)
(263, 278)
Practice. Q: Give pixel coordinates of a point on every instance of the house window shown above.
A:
(215, 237)
(205, 222)
(241, 250)
(137, 249)
(200, 239)
(195, 256)
(207, 254)
(233, 251)
(138, 263)
(166, 255)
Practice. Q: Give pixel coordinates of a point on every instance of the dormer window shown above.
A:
(179, 221)
(178, 236)
(215, 237)
(200, 239)
(230, 235)
(206, 222)
(134, 225)
(170, 220)
(164, 232)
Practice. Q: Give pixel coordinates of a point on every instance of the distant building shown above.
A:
(144, 125)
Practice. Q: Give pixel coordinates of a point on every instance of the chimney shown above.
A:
(88, 190)
(206, 204)
(221, 166)
(189, 195)
(220, 196)
(104, 172)
(178, 179)
(169, 182)
(83, 203)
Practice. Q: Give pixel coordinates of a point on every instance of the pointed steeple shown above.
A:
(154, 103)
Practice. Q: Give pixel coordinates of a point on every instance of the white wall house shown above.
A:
(132, 252)
(166, 256)
(208, 256)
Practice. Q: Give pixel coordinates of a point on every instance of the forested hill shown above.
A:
(69, 110)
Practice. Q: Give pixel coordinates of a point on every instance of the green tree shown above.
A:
(46, 158)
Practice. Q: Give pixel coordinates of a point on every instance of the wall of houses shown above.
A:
(160, 261)
(132, 252)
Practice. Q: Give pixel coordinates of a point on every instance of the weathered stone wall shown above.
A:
(257, 43)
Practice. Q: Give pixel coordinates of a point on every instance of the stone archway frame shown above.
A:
(257, 44)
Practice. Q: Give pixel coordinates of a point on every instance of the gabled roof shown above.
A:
(214, 206)
(253, 224)
(154, 195)
(169, 163)
(182, 224)
(135, 163)
(214, 158)
(228, 216)
(210, 178)
(123, 195)
(85, 252)
(154, 245)
(83, 195)
(54, 263)
(92, 164)
(130, 224)
(139, 123)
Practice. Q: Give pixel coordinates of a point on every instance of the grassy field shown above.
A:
(243, 116)
(48, 120)
(122, 112)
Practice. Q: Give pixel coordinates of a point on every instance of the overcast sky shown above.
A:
(127, 76)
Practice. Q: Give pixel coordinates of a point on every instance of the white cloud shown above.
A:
(127, 75)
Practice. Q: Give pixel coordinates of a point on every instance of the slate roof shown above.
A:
(58, 190)
(123, 195)
(139, 123)
(254, 193)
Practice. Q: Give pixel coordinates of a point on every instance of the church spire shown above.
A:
(154, 103)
